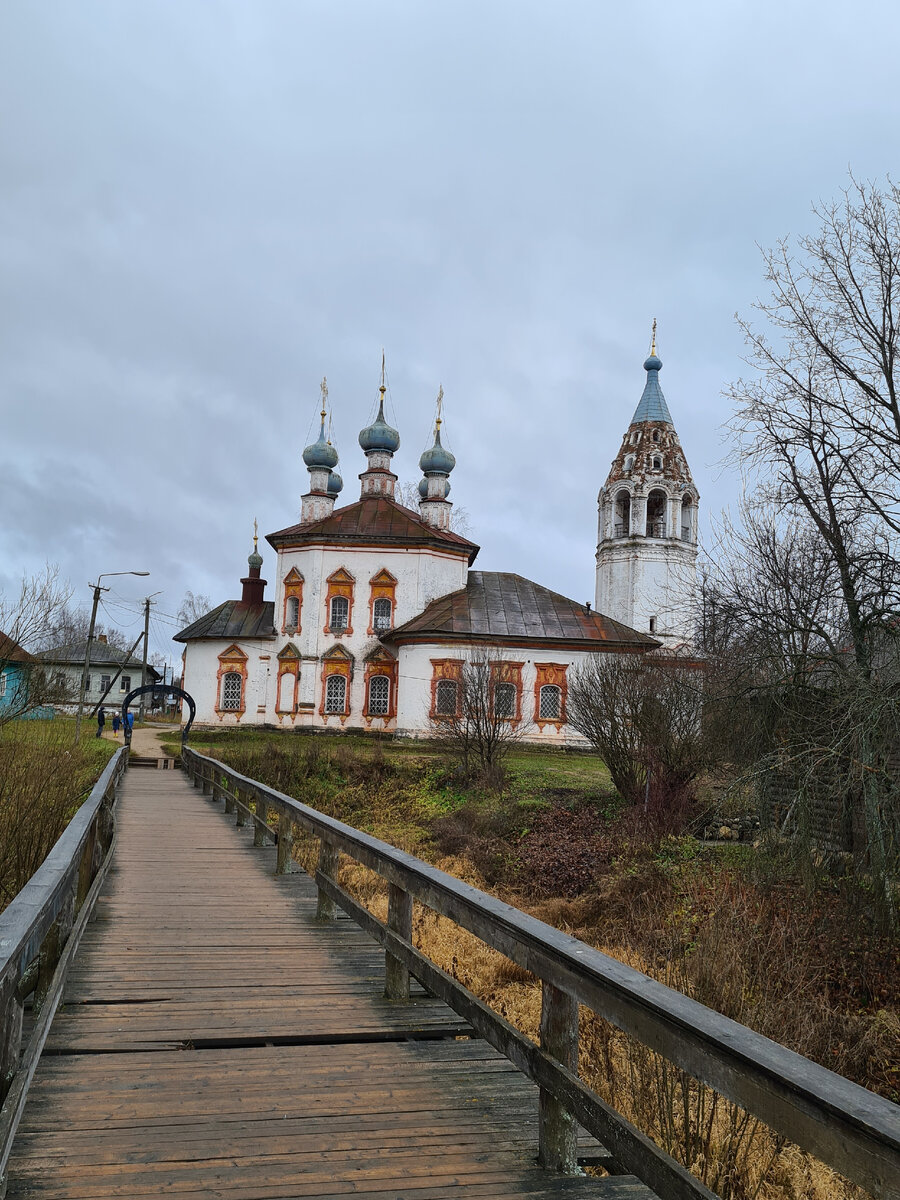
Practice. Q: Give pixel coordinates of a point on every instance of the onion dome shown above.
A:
(335, 484)
(437, 460)
(423, 488)
(321, 453)
(254, 559)
(379, 435)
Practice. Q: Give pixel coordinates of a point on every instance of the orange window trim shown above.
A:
(444, 668)
(382, 586)
(389, 669)
(232, 660)
(335, 667)
(555, 675)
(510, 672)
(340, 583)
(293, 587)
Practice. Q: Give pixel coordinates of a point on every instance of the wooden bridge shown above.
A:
(182, 1014)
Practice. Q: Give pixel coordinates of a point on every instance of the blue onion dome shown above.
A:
(379, 435)
(653, 363)
(321, 453)
(335, 484)
(437, 460)
(423, 488)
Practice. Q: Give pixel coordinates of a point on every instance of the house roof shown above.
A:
(498, 606)
(233, 619)
(11, 651)
(373, 520)
(101, 654)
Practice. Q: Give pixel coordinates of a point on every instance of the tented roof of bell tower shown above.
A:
(652, 404)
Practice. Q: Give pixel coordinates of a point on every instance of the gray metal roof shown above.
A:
(652, 404)
(102, 654)
(233, 619)
(499, 606)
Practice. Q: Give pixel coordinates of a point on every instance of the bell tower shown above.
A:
(647, 530)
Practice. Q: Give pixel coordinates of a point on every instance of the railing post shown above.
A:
(229, 799)
(207, 783)
(259, 830)
(10, 1032)
(240, 814)
(396, 973)
(47, 960)
(329, 858)
(285, 845)
(557, 1133)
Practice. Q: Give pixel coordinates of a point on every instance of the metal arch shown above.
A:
(164, 689)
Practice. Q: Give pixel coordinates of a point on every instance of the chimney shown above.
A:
(101, 638)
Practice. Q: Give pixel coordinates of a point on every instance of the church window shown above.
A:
(231, 690)
(629, 462)
(446, 698)
(550, 702)
(656, 435)
(622, 515)
(292, 612)
(379, 695)
(340, 613)
(687, 519)
(381, 611)
(657, 462)
(635, 437)
(335, 694)
(505, 701)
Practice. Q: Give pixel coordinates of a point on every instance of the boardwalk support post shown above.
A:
(399, 921)
(11, 1013)
(557, 1134)
(285, 845)
(329, 859)
(259, 825)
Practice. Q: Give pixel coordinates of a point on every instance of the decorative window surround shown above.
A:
(232, 661)
(549, 675)
(381, 665)
(382, 587)
(288, 665)
(340, 584)
(337, 661)
(449, 669)
(293, 600)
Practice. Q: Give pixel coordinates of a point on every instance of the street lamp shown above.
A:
(87, 650)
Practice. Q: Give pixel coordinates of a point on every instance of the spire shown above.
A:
(252, 586)
(379, 441)
(652, 404)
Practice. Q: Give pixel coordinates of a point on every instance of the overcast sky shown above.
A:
(205, 207)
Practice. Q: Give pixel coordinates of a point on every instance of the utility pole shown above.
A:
(87, 650)
(144, 661)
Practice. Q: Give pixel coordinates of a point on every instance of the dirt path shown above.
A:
(145, 741)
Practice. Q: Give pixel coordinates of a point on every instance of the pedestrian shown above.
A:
(130, 719)
(116, 723)
(101, 721)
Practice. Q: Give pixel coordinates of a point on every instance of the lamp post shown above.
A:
(87, 650)
(144, 661)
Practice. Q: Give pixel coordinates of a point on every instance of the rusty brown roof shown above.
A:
(233, 619)
(11, 651)
(499, 606)
(374, 519)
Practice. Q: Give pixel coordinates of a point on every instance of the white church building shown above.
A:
(375, 607)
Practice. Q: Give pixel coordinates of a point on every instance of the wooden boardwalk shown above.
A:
(216, 1041)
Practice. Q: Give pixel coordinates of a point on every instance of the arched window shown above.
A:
(656, 435)
(381, 615)
(629, 463)
(292, 612)
(635, 437)
(622, 515)
(550, 702)
(687, 519)
(340, 613)
(336, 694)
(379, 695)
(657, 462)
(445, 700)
(231, 690)
(505, 701)
(656, 514)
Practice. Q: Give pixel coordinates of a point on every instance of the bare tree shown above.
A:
(478, 711)
(193, 608)
(25, 621)
(407, 494)
(643, 715)
(820, 426)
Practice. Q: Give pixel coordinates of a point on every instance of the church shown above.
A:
(376, 607)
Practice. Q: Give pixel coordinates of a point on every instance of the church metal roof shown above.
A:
(652, 404)
(498, 606)
(233, 619)
(373, 519)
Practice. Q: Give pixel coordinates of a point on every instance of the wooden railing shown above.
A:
(851, 1129)
(39, 934)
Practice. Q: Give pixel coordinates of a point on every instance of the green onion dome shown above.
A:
(321, 453)
(379, 435)
(437, 460)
